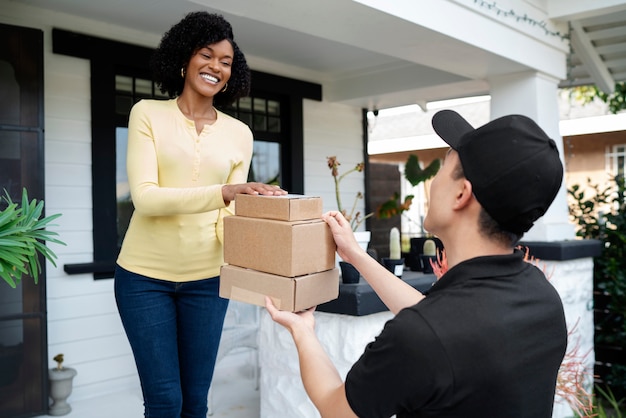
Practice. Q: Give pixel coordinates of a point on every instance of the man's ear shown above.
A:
(464, 195)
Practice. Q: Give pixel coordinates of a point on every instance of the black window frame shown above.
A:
(108, 58)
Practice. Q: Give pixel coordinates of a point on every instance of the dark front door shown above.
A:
(23, 341)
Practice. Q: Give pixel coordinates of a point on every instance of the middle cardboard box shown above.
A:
(284, 248)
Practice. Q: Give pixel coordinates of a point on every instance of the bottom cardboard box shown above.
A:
(288, 293)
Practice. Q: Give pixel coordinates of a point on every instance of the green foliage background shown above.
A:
(599, 212)
(615, 100)
(23, 237)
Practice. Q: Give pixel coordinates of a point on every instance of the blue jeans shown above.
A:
(174, 330)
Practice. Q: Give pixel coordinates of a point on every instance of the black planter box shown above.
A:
(359, 299)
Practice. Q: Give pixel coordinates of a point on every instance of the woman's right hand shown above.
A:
(230, 190)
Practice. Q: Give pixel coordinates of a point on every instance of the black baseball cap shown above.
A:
(514, 167)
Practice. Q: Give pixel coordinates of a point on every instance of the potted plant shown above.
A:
(415, 175)
(348, 273)
(428, 256)
(394, 263)
(60, 379)
(354, 217)
(23, 237)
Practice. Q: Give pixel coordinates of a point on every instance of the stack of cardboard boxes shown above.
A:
(278, 246)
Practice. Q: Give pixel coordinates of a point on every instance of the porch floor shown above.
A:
(234, 395)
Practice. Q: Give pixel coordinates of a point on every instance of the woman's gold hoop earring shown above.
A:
(225, 87)
(182, 72)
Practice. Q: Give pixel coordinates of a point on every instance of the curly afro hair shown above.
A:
(197, 30)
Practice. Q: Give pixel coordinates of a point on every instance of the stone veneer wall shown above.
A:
(345, 337)
(573, 279)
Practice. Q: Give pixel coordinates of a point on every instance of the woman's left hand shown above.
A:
(230, 190)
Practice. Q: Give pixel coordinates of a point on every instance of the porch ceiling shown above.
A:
(598, 41)
(367, 58)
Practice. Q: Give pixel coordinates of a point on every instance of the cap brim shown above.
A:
(450, 126)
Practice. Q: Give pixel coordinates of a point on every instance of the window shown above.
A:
(616, 160)
(120, 77)
(263, 116)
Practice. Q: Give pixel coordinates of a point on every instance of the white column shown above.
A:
(535, 95)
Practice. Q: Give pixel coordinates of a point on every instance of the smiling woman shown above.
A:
(185, 162)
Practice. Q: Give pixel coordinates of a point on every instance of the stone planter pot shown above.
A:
(427, 268)
(394, 265)
(60, 389)
(417, 243)
(349, 274)
(363, 238)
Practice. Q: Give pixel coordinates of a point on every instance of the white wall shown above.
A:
(573, 279)
(332, 129)
(83, 322)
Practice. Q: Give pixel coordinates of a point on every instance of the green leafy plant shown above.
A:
(414, 175)
(616, 100)
(600, 213)
(23, 237)
(605, 405)
(354, 217)
(59, 359)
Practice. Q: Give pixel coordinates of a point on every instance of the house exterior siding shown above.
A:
(332, 129)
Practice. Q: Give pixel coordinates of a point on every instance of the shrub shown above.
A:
(602, 216)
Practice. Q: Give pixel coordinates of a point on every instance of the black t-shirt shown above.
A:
(487, 340)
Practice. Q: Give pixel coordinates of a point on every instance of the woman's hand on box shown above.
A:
(230, 190)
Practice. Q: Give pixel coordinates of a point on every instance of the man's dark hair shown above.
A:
(195, 31)
(487, 225)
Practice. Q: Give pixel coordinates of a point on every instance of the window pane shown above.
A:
(143, 87)
(123, 104)
(265, 162)
(245, 103)
(123, 83)
(259, 105)
(260, 122)
(617, 159)
(124, 204)
(273, 108)
(273, 124)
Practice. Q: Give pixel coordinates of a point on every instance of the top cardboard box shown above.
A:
(290, 207)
